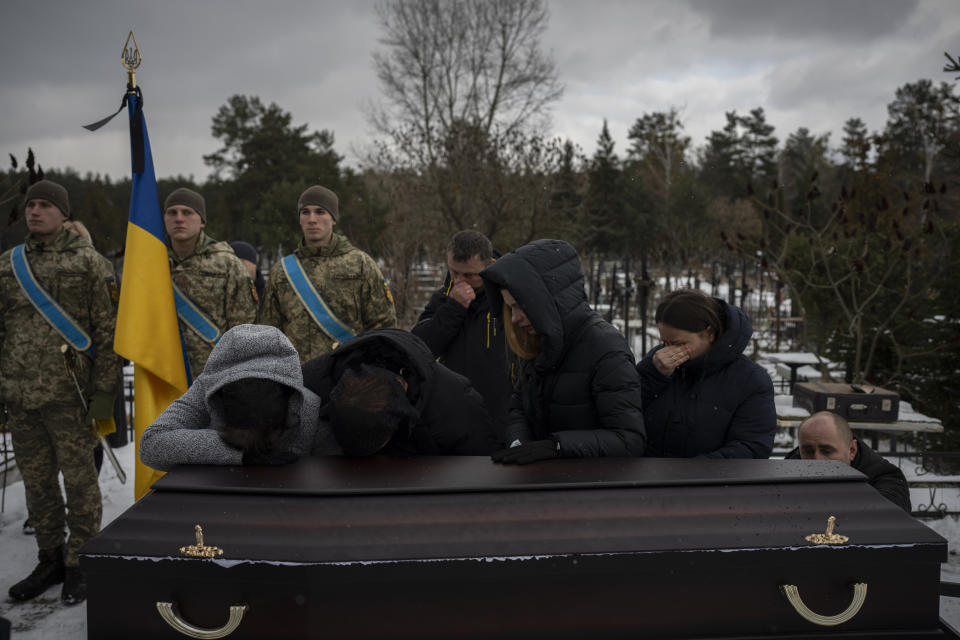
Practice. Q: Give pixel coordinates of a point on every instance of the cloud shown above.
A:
(810, 20)
(813, 63)
(805, 65)
(310, 58)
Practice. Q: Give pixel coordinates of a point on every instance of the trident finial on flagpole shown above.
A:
(131, 59)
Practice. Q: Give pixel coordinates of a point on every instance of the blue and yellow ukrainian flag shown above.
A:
(147, 331)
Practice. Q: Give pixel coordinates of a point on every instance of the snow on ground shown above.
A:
(47, 619)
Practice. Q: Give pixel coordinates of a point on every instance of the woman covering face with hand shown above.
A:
(702, 397)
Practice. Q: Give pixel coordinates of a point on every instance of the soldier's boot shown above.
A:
(74, 586)
(48, 572)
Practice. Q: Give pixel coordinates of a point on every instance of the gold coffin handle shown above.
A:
(171, 618)
(859, 596)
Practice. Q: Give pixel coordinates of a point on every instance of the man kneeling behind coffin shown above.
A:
(827, 436)
(249, 406)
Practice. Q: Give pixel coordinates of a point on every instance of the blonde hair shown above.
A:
(525, 345)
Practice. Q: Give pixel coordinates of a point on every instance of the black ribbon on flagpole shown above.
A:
(136, 126)
(136, 131)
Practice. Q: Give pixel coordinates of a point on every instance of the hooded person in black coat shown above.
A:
(389, 380)
(702, 397)
(827, 436)
(578, 393)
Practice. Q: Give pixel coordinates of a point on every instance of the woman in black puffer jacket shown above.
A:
(701, 396)
(579, 393)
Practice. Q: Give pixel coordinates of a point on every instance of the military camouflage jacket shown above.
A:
(32, 370)
(218, 284)
(351, 285)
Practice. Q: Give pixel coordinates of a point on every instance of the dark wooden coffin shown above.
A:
(459, 547)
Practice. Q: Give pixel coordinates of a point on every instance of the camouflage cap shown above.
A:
(51, 191)
(187, 198)
(320, 197)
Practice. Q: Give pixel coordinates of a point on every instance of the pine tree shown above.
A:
(263, 165)
(921, 131)
(856, 145)
(604, 202)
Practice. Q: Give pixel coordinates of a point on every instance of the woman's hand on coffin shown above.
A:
(528, 452)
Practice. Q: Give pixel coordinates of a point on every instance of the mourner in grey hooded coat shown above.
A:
(581, 393)
(189, 430)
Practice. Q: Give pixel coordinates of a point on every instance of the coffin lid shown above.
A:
(381, 475)
(372, 510)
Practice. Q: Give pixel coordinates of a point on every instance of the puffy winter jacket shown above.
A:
(719, 405)
(453, 418)
(470, 341)
(582, 389)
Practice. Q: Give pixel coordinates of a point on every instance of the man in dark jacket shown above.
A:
(461, 329)
(827, 436)
(578, 393)
(426, 408)
(706, 399)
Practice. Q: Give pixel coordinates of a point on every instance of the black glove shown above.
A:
(528, 452)
(272, 458)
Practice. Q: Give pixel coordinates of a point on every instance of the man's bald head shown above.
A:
(826, 436)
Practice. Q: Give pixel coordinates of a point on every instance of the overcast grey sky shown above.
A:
(812, 63)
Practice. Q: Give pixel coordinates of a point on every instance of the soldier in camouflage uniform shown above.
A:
(347, 279)
(208, 272)
(51, 430)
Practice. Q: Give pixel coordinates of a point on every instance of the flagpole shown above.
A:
(148, 333)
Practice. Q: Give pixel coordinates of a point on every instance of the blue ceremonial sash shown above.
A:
(312, 301)
(46, 306)
(194, 318)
